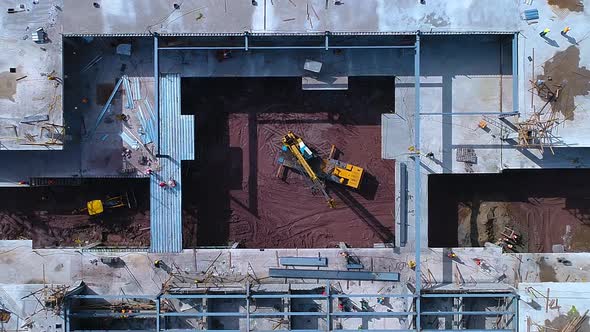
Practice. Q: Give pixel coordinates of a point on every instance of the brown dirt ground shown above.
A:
(44, 214)
(546, 207)
(542, 222)
(234, 194)
(566, 73)
(572, 5)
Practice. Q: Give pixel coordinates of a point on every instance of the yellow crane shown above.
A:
(298, 148)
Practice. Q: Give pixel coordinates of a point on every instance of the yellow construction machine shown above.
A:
(98, 206)
(295, 154)
(341, 172)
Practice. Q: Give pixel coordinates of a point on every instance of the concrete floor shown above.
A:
(27, 91)
(23, 265)
(458, 82)
(287, 16)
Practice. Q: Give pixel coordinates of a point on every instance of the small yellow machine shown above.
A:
(97, 206)
(341, 172)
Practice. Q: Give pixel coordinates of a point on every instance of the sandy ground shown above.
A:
(44, 214)
(234, 194)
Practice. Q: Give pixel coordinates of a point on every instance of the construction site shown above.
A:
(290, 165)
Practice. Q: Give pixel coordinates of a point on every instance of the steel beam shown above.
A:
(157, 90)
(303, 261)
(105, 108)
(112, 315)
(417, 179)
(158, 315)
(333, 274)
(109, 296)
(484, 295)
(466, 313)
(203, 314)
(403, 205)
(471, 113)
(288, 296)
(515, 103)
(468, 330)
(373, 313)
(203, 296)
(373, 295)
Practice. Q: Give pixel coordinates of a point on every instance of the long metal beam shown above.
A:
(303, 261)
(475, 295)
(270, 48)
(247, 45)
(403, 204)
(470, 113)
(515, 103)
(333, 274)
(417, 180)
(157, 90)
(466, 313)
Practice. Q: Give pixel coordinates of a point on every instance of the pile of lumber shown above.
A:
(574, 323)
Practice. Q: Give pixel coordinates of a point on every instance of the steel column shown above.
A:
(515, 106)
(403, 204)
(158, 315)
(157, 90)
(248, 307)
(328, 297)
(417, 179)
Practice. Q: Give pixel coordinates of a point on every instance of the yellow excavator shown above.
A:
(327, 169)
(98, 206)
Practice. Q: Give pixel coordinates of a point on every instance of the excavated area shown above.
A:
(548, 210)
(231, 191)
(49, 216)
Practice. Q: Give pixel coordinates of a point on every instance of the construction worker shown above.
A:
(158, 263)
(381, 300)
(162, 184)
(412, 265)
(149, 171)
(565, 31)
(544, 32)
(172, 183)
(477, 261)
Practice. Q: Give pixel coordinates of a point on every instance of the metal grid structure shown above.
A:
(328, 298)
(417, 313)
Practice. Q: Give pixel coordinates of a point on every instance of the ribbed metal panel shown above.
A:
(187, 147)
(177, 141)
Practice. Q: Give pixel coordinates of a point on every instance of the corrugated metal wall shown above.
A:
(177, 143)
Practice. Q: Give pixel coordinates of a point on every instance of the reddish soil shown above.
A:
(231, 193)
(572, 5)
(546, 207)
(44, 214)
(564, 72)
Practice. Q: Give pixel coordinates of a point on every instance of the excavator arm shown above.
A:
(292, 142)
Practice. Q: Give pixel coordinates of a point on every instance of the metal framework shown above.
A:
(328, 311)
(327, 296)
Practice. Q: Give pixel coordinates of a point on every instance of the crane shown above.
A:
(302, 153)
